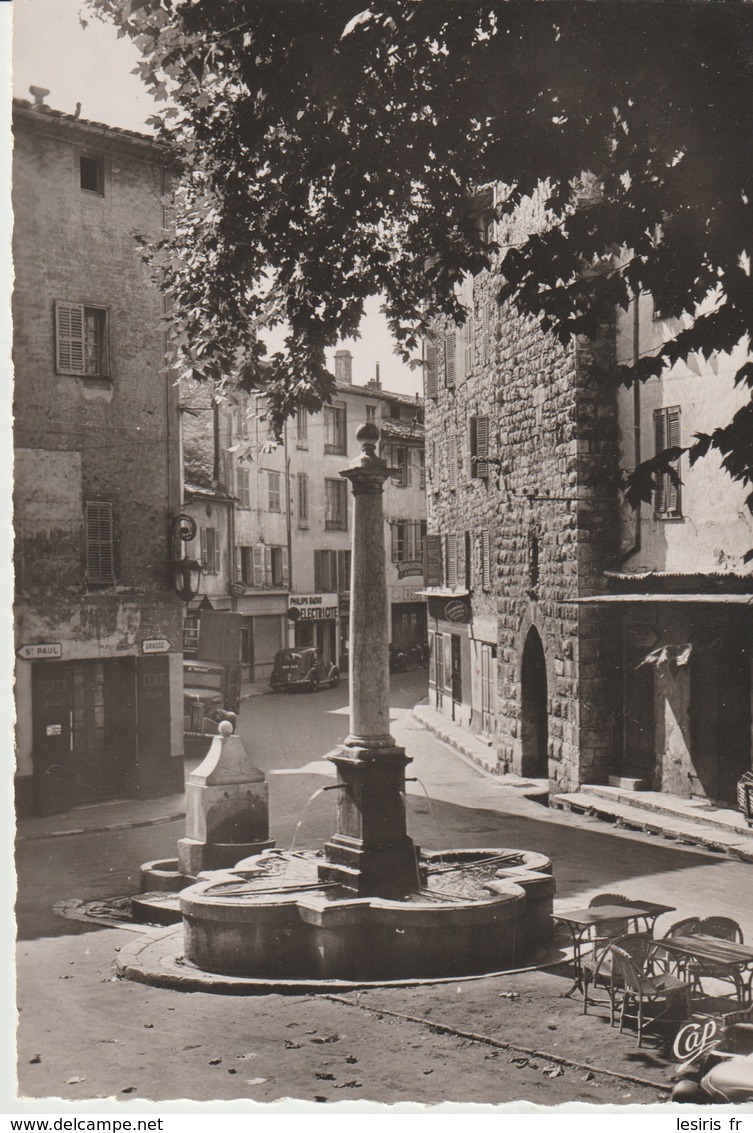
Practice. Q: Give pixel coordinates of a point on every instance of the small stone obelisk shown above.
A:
(371, 853)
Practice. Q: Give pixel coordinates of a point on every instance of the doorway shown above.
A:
(534, 718)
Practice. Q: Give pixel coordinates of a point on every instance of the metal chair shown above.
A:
(598, 968)
(725, 929)
(616, 899)
(684, 967)
(646, 992)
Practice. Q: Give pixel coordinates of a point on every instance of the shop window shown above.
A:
(81, 340)
(100, 555)
(335, 505)
(667, 497)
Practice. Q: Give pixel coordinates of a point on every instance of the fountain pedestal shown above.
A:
(370, 854)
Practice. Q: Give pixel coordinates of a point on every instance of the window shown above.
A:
(263, 566)
(335, 437)
(452, 463)
(478, 447)
(92, 174)
(667, 501)
(449, 359)
(273, 479)
(303, 499)
(302, 429)
(210, 549)
(394, 412)
(241, 419)
(331, 572)
(81, 340)
(100, 557)
(371, 412)
(433, 560)
(335, 505)
(486, 561)
(400, 467)
(244, 487)
(407, 540)
(431, 379)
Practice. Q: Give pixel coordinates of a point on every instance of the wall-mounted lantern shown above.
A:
(186, 573)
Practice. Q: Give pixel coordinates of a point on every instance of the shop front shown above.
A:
(408, 624)
(314, 622)
(450, 658)
(263, 633)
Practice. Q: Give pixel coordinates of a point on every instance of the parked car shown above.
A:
(302, 668)
(205, 702)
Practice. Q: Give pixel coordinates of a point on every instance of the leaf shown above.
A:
(74, 1081)
(555, 1072)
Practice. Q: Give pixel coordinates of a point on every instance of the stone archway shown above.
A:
(534, 717)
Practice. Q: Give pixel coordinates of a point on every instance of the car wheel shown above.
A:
(335, 679)
(313, 682)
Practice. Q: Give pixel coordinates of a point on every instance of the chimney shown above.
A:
(377, 382)
(344, 367)
(40, 94)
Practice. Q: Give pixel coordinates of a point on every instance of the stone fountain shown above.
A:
(369, 905)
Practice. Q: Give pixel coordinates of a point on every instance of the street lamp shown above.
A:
(186, 573)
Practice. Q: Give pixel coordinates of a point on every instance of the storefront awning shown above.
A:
(663, 599)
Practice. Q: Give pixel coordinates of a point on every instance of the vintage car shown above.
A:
(302, 668)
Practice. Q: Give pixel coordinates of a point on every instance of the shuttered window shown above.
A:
(478, 447)
(335, 428)
(244, 487)
(335, 505)
(303, 499)
(80, 340)
(100, 557)
(451, 558)
(302, 429)
(258, 564)
(331, 572)
(274, 479)
(667, 501)
(210, 549)
(486, 561)
(433, 560)
(431, 376)
(452, 463)
(449, 359)
(485, 313)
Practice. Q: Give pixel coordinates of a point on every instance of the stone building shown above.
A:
(284, 551)
(97, 472)
(545, 594)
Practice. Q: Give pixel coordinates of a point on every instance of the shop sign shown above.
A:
(40, 651)
(155, 645)
(457, 611)
(237, 589)
(409, 567)
(312, 607)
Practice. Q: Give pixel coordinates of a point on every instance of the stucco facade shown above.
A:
(534, 643)
(96, 469)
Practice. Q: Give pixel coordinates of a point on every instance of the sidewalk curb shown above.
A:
(109, 828)
(484, 767)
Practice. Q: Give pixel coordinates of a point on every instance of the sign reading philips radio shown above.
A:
(313, 607)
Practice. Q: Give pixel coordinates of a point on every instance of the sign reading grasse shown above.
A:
(155, 645)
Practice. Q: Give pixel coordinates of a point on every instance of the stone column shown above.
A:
(371, 853)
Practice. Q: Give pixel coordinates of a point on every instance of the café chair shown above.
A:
(725, 929)
(647, 993)
(683, 966)
(598, 968)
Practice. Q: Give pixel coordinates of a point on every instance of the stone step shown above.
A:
(688, 810)
(735, 844)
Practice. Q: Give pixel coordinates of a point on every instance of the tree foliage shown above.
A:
(333, 151)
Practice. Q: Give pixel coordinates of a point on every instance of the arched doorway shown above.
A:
(534, 722)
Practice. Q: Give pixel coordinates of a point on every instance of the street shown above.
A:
(84, 1033)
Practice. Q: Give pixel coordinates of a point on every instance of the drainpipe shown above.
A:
(287, 507)
(636, 546)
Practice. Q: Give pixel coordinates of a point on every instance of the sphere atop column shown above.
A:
(367, 435)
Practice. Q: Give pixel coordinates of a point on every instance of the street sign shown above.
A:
(41, 651)
(155, 645)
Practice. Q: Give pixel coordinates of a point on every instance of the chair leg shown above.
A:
(622, 1012)
(640, 1020)
(585, 994)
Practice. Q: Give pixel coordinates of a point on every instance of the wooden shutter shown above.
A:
(431, 377)
(660, 443)
(485, 331)
(318, 572)
(258, 564)
(470, 448)
(449, 359)
(470, 342)
(482, 448)
(486, 563)
(268, 576)
(673, 441)
(285, 566)
(395, 543)
(451, 559)
(69, 338)
(203, 545)
(452, 463)
(467, 575)
(239, 563)
(100, 560)
(433, 562)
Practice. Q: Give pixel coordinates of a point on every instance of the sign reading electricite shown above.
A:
(313, 607)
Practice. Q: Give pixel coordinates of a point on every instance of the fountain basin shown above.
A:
(271, 918)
